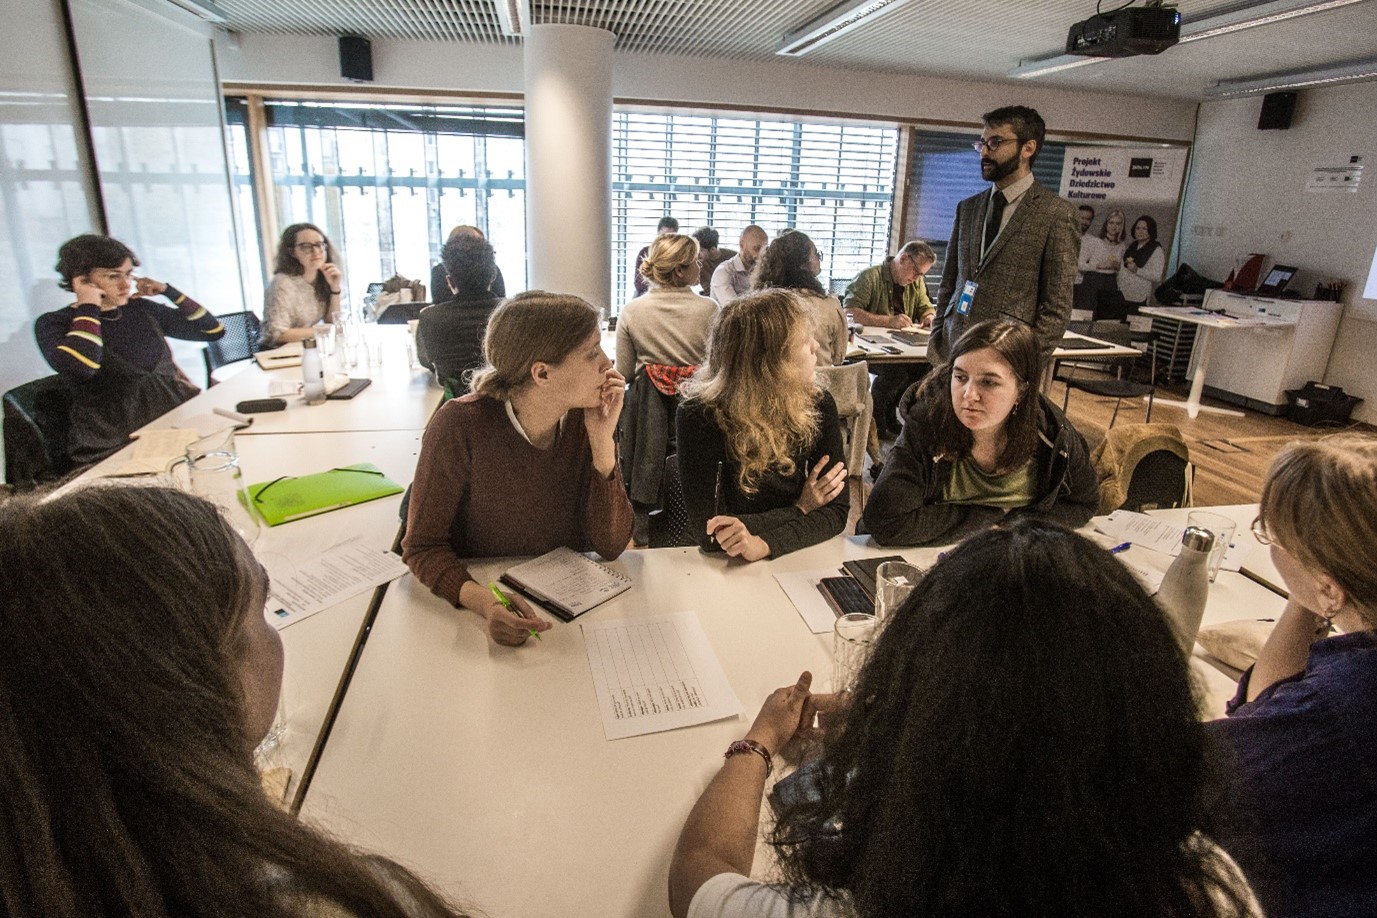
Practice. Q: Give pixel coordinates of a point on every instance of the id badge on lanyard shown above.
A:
(963, 305)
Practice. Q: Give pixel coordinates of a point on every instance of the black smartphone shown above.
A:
(350, 389)
(259, 405)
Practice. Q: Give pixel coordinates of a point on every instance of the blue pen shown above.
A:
(1120, 548)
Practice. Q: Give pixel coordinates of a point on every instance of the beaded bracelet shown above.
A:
(748, 745)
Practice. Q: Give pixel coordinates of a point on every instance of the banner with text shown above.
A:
(1125, 196)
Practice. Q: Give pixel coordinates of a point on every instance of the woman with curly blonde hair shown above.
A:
(759, 442)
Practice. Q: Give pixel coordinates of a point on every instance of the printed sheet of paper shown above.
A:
(152, 450)
(656, 674)
(347, 569)
(1158, 535)
(802, 589)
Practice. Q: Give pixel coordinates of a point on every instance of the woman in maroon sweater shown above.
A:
(524, 464)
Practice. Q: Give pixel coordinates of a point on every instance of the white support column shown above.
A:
(568, 75)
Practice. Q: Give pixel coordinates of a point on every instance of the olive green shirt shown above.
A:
(969, 485)
(873, 291)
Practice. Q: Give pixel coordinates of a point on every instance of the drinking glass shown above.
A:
(852, 637)
(894, 580)
(1221, 527)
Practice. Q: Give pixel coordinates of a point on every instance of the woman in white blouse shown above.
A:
(1144, 264)
(1100, 259)
(305, 287)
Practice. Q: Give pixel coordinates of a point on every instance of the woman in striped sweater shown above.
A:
(109, 344)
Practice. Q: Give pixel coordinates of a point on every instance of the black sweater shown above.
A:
(770, 513)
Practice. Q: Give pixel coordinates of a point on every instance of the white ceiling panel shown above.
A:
(974, 39)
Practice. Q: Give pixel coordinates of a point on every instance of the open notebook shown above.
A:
(566, 583)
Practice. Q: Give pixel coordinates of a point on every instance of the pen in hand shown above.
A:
(507, 604)
(716, 504)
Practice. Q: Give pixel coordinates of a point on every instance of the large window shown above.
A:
(833, 181)
(387, 182)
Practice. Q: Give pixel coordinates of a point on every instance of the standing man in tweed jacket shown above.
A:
(1013, 247)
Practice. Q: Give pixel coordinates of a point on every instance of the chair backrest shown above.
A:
(669, 526)
(1143, 467)
(1114, 331)
(1161, 480)
(1110, 305)
(36, 420)
(849, 385)
(240, 342)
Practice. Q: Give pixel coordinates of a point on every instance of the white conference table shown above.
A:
(486, 769)
(878, 345)
(1257, 563)
(1207, 322)
(401, 397)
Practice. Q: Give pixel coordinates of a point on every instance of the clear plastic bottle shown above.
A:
(1186, 586)
(312, 373)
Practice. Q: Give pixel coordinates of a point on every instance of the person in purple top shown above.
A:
(1301, 734)
(109, 344)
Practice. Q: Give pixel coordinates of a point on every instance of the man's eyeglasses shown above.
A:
(992, 144)
(1261, 532)
(310, 247)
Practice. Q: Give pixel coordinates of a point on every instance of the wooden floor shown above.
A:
(1231, 454)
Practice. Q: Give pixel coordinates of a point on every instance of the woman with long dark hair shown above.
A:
(305, 286)
(1022, 740)
(1301, 726)
(760, 444)
(980, 444)
(136, 677)
(791, 262)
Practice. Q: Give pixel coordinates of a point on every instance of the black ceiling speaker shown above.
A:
(356, 58)
(1277, 108)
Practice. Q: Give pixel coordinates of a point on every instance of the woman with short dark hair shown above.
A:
(137, 675)
(980, 443)
(1144, 264)
(1022, 740)
(109, 344)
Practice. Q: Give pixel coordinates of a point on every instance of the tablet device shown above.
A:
(1276, 280)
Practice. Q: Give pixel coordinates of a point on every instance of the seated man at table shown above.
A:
(526, 462)
(893, 295)
(449, 336)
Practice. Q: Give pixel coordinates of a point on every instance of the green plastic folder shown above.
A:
(285, 499)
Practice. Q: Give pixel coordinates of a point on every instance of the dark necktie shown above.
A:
(992, 224)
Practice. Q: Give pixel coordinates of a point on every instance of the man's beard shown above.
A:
(997, 170)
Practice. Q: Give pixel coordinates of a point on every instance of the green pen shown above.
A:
(507, 604)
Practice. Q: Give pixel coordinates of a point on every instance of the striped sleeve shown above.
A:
(191, 321)
(77, 354)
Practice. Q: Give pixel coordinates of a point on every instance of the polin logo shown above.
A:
(1140, 167)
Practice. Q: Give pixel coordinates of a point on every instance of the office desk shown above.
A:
(1208, 322)
(1257, 564)
(485, 767)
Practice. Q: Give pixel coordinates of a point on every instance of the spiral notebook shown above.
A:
(567, 583)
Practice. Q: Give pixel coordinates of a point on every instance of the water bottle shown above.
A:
(312, 373)
(1186, 586)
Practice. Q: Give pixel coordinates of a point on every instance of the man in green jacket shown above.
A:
(893, 295)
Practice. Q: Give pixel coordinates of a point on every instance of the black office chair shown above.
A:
(1161, 480)
(36, 420)
(669, 526)
(1119, 388)
(242, 334)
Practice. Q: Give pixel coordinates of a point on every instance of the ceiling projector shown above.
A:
(1126, 32)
